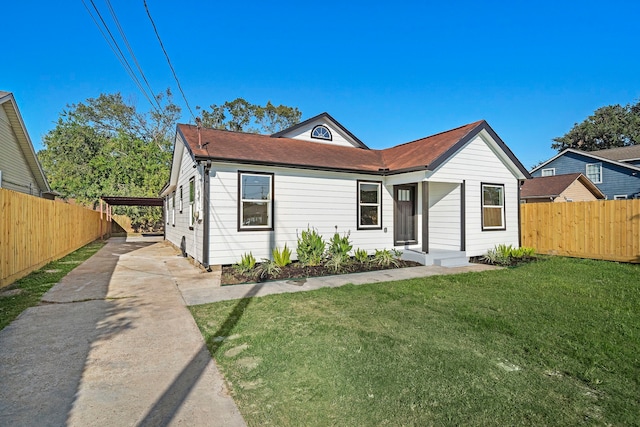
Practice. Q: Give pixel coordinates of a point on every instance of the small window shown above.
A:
(180, 199)
(192, 201)
(493, 207)
(620, 197)
(321, 132)
(173, 209)
(255, 201)
(166, 212)
(549, 172)
(594, 172)
(369, 205)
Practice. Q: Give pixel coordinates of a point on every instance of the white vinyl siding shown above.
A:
(302, 198)
(444, 216)
(16, 173)
(304, 133)
(476, 163)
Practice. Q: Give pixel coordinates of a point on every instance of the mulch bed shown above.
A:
(295, 270)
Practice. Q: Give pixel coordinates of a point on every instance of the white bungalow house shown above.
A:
(439, 199)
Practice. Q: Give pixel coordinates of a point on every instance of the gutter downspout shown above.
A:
(205, 213)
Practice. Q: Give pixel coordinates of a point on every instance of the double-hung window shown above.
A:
(255, 201)
(493, 207)
(192, 201)
(369, 205)
(594, 172)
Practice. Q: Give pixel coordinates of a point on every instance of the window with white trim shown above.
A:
(192, 201)
(369, 205)
(549, 172)
(180, 199)
(620, 197)
(594, 172)
(321, 132)
(255, 201)
(493, 207)
(166, 211)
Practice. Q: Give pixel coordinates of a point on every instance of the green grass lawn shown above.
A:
(556, 342)
(31, 288)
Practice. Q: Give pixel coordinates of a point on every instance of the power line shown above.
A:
(168, 60)
(113, 44)
(130, 49)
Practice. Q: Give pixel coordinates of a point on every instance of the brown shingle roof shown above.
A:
(262, 149)
(553, 186)
(620, 153)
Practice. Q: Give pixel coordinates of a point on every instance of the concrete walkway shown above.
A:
(113, 344)
(202, 292)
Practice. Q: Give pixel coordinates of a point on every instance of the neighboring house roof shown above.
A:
(8, 102)
(592, 154)
(423, 154)
(554, 186)
(620, 154)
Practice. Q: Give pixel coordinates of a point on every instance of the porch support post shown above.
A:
(463, 216)
(425, 217)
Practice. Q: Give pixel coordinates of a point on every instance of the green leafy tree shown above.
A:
(241, 116)
(609, 127)
(106, 147)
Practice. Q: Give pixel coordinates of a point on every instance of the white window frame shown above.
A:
(192, 201)
(180, 200)
(548, 172)
(503, 226)
(166, 212)
(620, 197)
(599, 166)
(378, 205)
(268, 201)
(322, 137)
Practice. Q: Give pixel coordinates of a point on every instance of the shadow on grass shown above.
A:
(166, 407)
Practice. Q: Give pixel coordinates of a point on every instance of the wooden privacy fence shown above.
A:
(35, 231)
(602, 229)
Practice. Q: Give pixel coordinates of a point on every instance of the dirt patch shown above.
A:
(298, 272)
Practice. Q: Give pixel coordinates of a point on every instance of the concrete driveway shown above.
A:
(113, 344)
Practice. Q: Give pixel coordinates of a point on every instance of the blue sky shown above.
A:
(390, 72)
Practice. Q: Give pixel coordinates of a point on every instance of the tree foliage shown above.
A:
(106, 147)
(241, 116)
(609, 127)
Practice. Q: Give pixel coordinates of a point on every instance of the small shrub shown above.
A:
(282, 258)
(267, 268)
(246, 264)
(361, 256)
(338, 262)
(506, 255)
(340, 245)
(384, 258)
(396, 253)
(311, 247)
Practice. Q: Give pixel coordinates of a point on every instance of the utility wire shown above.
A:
(168, 60)
(130, 49)
(113, 44)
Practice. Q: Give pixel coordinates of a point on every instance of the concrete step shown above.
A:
(458, 261)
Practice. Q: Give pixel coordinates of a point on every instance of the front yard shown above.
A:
(555, 342)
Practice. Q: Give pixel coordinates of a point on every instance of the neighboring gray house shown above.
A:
(615, 171)
(447, 196)
(20, 169)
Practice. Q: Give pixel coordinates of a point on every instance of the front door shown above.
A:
(405, 214)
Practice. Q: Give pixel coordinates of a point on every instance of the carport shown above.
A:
(110, 201)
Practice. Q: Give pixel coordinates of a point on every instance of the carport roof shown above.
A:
(132, 201)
